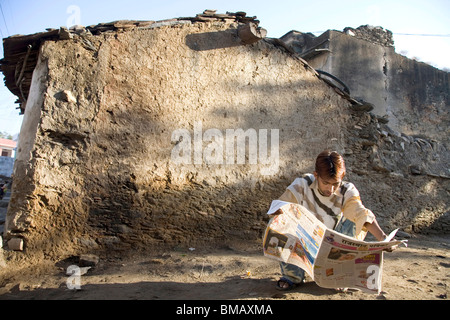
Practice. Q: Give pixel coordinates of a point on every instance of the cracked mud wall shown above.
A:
(96, 170)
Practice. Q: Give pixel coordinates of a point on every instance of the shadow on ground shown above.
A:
(229, 289)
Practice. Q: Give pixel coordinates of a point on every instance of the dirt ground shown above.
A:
(235, 271)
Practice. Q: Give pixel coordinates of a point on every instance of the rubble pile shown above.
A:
(373, 34)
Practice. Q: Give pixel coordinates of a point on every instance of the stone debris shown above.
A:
(67, 96)
(373, 34)
(395, 152)
(88, 260)
(15, 244)
(206, 16)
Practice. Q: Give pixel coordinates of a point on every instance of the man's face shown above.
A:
(327, 186)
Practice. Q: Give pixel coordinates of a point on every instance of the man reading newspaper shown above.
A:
(334, 202)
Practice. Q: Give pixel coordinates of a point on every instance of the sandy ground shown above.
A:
(235, 271)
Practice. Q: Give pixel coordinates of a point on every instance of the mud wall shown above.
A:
(127, 141)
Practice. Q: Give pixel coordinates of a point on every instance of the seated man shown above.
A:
(334, 202)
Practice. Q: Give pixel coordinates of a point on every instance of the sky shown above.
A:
(421, 28)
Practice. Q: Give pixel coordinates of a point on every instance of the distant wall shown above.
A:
(418, 97)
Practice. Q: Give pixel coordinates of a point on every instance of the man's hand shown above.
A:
(375, 230)
(391, 249)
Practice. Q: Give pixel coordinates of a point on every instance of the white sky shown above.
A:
(430, 17)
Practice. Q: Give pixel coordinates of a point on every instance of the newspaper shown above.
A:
(331, 259)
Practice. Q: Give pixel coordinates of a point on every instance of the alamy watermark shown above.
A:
(74, 17)
(227, 147)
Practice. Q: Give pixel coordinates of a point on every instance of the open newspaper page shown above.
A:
(330, 258)
(294, 236)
